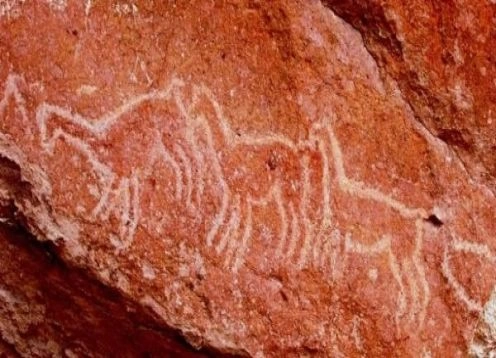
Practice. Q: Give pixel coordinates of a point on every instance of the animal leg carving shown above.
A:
(295, 232)
(187, 174)
(218, 219)
(242, 251)
(281, 210)
(232, 229)
(396, 272)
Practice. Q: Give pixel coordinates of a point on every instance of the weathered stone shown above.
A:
(441, 54)
(246, 170)
(50, 310)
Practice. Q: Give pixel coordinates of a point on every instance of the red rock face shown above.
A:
(47, 309)
(440, 55)
(246, 171)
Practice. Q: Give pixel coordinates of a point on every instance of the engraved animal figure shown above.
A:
(481, 251)
(252, 171)
(119, 193)
(410, 272)
(216, 146)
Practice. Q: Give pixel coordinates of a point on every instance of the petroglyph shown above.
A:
(118, 196)
(87, 7)
(57, 5)
(408, 273)
(247, 171)
(10, 8)
(236, 160)
(125, 8)
(479, 250)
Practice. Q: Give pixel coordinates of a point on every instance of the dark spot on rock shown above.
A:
(434, 220)
(153, 182)
(284, 296)
(271, 163)
(454, 137)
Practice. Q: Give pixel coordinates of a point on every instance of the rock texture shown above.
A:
(253, 175)
(441, 55)
(49, 310)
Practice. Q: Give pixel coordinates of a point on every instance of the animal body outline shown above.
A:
(103, 124)
(383, 245)
(119, 196)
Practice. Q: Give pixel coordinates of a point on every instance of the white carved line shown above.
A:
(318, 249)
(198, 158)
(460, 292)
(305, 202)
(220, 216)
(87, 7)
(11, 90)
(160, 153)
(187, 173)
(326, 179)
(194, 124)
(232, 248)
(136, 209)
(360, 190)
(232, 226)
(458, 245)
(242, 251)
(99, 127)
(117, 201)
(407, 269)
(334, 254)
(278, 200)
(414, 271)
(396, 271)
(480, 250)
(232, 140)
(198, 126)
(229, 135)
(295, 232)
(327, 254)
(383, 246)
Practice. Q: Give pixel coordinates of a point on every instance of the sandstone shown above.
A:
(250, 173)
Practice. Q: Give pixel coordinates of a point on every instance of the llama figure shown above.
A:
(410, 271)
(252, 170)
(118, 190)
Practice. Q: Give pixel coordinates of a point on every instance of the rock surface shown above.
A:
(49, 310)
(442, 56)
(252, 174)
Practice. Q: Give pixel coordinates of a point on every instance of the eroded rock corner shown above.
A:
(265, 179)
